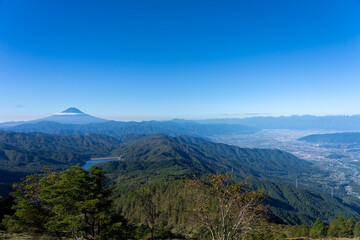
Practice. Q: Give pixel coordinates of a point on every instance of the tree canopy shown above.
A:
(72, 203)
(227, 210)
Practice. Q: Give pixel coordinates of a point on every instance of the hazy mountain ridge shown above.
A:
(114, 128)
(296, 122)
(74, 122)
(342, 138)
(73, 116)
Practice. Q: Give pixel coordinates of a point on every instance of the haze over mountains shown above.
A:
(161, 152)
(305, 122)
(71, 115)
(334, 138)
(73, 121)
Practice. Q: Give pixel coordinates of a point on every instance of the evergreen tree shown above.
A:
(73, 203)
(339, 228)
(318, 230)
(305, 231)
(351, 225)
(357, 230)
(29, 215)
(149, 203)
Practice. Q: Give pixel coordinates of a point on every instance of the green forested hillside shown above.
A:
(94, 144)
(293, 205)
(25, 153)
(158, 152)
(288, 205)
(163, 162)
(31, 151)
(20, 160)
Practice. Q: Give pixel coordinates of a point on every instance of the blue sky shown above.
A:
(142, 60)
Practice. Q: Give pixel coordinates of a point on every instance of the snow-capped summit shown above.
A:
(70, 111)
(72, 115)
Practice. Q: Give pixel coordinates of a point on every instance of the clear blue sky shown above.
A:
(141, 60)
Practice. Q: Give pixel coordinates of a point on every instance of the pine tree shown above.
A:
(318, 230)
(149, 204)
(73, 203)
(339, 228)
(351, 225)
(29, 215)
(357, 230)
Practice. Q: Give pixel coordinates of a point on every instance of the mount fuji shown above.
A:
(72, 121)
(72, 115)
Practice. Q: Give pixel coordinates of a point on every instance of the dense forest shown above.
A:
(158, 167)
(80, 204)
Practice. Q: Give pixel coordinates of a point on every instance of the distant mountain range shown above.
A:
(342, 138)
(72, 121)
(306, 122)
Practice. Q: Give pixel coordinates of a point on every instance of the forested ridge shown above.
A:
(158, 152)
(26, 153)
(116, 128)
(162, 164)
(76, 203)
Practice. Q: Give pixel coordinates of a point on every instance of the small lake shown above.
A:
(89, 163)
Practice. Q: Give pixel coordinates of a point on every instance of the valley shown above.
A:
(340, 160)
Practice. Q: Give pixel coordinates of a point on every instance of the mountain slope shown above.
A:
(199, 155)
(94, 144)
(162, 162)
(26, 153)
(292, 205)
(19, 160)
(159, 160)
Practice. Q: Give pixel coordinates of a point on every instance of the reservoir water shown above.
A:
(89, 163)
